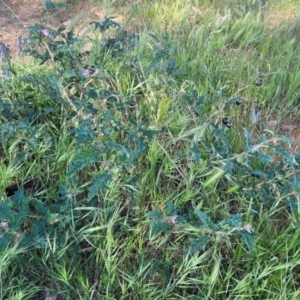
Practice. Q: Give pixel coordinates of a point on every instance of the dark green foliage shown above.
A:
(198, 244)
(50, 6)
(100, 183)
(108, 139)
(106, 24)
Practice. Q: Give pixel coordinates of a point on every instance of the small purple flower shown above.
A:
(170, 219)
(4, 225)
(158, 44)
(47, 33)
(96, 72)
(173, 219)
(248, 228)
(86, 72)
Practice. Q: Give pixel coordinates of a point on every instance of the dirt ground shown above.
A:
(17, 15)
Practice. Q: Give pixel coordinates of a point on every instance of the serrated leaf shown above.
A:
(32, 143)
(5, 211)
(261, 139)
(18, 218)
(206, 221)
(235, 220)
(291, 204)
(138, 151)
(41, 209)
(197, 245)
(100, 183)
(106, 24)
(85, 157)
(289, 159)
(155, 215)
(195, 152)
(285, 139)
(170, 209)
(296, 183)
(157, 228)
(118, 148)
(263, 157)
(64, 193)
(247, 238)
(18, 198)
(84, 133)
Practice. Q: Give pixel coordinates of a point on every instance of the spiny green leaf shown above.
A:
(85, 157)
(206, 221)
(197, 245)
(247, 238)
(291, 204)
(155, 215)
(170, 209)
(18, 198)
(296, 183)
(5, 211)
(289, 159)
(263, 157)
(100, 183)
(235, 220)
(118, 148)
(106, 24)
(84, 133)
(285, 139)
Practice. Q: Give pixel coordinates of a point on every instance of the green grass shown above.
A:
(103, 248)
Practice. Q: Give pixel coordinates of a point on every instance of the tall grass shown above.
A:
(191, 58)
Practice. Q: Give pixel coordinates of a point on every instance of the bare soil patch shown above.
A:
(17, 15)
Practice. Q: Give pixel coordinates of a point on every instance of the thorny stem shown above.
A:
(51, 55)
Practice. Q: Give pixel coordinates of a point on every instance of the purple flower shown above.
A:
(248, 228)
(170, 219)
(173, 219)
(47, 33)
(4, 225)
(86, 72)
(96, 72)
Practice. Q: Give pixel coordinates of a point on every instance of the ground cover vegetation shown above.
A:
(138, 160)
